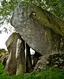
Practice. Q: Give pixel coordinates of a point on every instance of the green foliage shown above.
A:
(3, 55)
(1, 68)
(55, 6)
(48, 73)
(7, 7)
(3, 52)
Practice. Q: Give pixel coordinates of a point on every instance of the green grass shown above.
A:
(48, 73)
(1, 69)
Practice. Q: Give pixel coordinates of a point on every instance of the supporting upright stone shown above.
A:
(20, 57)
(36, 58)
(16, 59)
(28, 59)
(11, 61)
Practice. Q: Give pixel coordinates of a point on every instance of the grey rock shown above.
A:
(31, 30)
(16, 59)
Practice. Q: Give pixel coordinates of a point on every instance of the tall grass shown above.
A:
(48, 73)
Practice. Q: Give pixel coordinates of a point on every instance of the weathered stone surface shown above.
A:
(41, 64)
(30, 29)
(16, 62)
(35, 58)
(28, 59)
(20, 57)
(33, 24)
(43, 61)
(54, 59)
(11, 61)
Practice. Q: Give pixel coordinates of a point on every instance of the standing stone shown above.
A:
(35, 58)
(20, 57)
(13, 60)
(28, 59)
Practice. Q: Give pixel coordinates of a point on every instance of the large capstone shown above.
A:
(34, 24)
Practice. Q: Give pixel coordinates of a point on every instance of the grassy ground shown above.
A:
(48, 73)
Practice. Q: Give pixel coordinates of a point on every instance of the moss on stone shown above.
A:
(49, 20)
(53, 25)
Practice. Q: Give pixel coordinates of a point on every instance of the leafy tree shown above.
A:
(57, 7)
(6, 9)
(54, 6)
